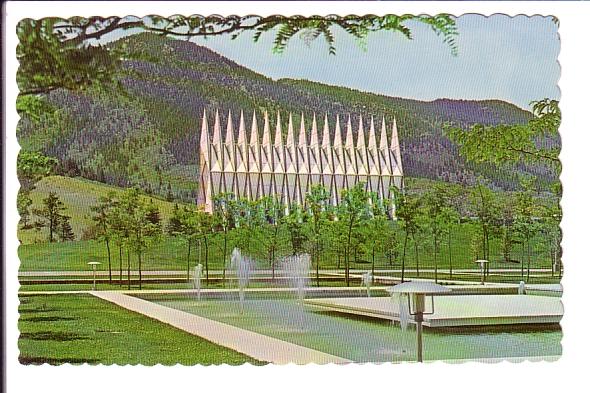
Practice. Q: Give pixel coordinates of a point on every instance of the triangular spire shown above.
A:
(314, 151)
(229, 146)
(266, 131)
(372, 153)
(384, 156)
(302, 163)
(278, 151)
(327, 161)
(204, 141)
(242, 158)
(290, 148)
(361, 150)
(302, 158)
(217, 129)
(253, 180)
(338, 156)
(254, 153)
(278, 160)
(216, 148)
(395, 149)
(265, 148)
(242, 148)
(204, 197)
(290, 163)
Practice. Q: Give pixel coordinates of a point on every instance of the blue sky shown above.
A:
(512, 59)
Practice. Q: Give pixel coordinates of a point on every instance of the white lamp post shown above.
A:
(417, 292)
(482, 267)
(94, 264)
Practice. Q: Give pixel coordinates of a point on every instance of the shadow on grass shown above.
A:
(37, 310)
(53, 336)
(37, 360)
(47, 319)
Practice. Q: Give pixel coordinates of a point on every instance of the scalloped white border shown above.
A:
(469, 377)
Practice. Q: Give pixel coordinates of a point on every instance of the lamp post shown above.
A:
(482, 267)
(94, 264)
(417, 292)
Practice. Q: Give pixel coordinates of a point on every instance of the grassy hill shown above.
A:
(148, 135)
(78, 196)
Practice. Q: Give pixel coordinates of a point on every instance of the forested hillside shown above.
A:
(147, 133)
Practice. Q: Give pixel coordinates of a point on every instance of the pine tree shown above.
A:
(175, 223)
(51, 212)
(152, 213)
(169, 195)
(65, 229)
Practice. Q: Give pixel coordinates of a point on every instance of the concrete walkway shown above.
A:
(104, 272)
(255, 345)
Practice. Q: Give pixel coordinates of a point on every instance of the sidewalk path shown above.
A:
(255, 345)
(258, 272)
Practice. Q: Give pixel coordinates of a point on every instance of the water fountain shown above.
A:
(402, 302)
(295, 269)
(197, 277)
(367, 280)
(242, 267)
(521, 288)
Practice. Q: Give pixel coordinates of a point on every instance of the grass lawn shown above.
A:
(78, 329)
(147, 285)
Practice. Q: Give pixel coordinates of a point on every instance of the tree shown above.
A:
(169, 194)
(63, 53)
(202, 223)
(119, 228)
(174, 226)
(224, 215)
(485, 207)
(525, 221)
(294, 224)
(153, 213)
(101, 218)
(407, 211)
(32, 167)
(273, 220)
(65, 229)
(317, 199)
(51, 212)
(507, 228)
(23, 205)
(248, 218)
(182, 225)
(512, 143)
(49, 61)
(437, 213)
(376, 230)
(143, 232)
(354, 209)
(551, 217)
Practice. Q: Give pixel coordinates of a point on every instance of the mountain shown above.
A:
(148, 135)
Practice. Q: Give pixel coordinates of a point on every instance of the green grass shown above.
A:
(171, 254)
(78, 329)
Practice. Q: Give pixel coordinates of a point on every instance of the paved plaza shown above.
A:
(456, 311)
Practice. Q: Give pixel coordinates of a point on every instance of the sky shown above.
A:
(511, 59)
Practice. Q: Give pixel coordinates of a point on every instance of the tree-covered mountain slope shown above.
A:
(147, 134)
